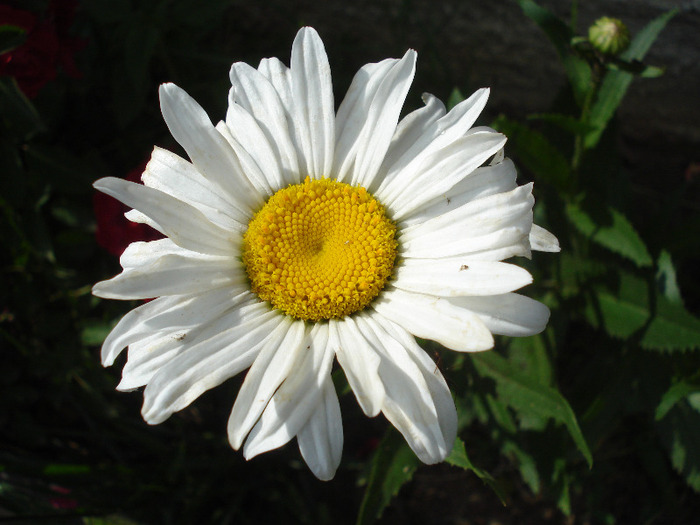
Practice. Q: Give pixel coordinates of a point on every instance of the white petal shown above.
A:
(296, 399)
(152, 272)
(409, 404)
(183, 223)
(436, 136)
(409, 130)
(504, 217)
(321, 438)
(270, 369)
(456, 276)
(495, 246)
(139, 218)
(543, 241)
(279, 76)
(314, 110)
(157, 340)
(145, 253)
(147, 357)
(510, 314)
(175, 176)
(368, 116)
(439, 172)
(434, 318)
(359, 362)
(351, 115)
(175, 314)
(257, 158)
(221, 350)
(437, 386)
(255, 94)
(481, 182)
(207, 149)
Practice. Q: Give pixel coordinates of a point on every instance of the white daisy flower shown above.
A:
(296, 235)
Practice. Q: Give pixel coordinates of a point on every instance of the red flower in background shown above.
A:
(114, 231)
(47, 46)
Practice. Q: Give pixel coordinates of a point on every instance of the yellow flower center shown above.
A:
(321, 249)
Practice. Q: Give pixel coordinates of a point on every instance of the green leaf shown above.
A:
(672, 328)
(458, 457)
(560, 34)
(526, 464)
(615, 83)
(617, 235)
(393, 465)
(524, 394)
(501, 415)
(535, 152)
(678, 392)
(628, 312)
(636, 67)
(680, 433)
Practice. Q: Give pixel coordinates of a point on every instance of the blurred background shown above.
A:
(615, 379)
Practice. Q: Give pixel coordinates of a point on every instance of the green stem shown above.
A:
(579, 147)
(574, 15)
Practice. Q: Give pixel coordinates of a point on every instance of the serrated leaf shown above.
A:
(627, 311)
(617, 234)
(524, 394)
(672, 328)
(393, 465)
(561, 35)
(458, 457)
(615, 83)
(535, 152)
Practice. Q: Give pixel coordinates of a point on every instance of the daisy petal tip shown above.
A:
(543, 241)
(255, 447)
(125, 387)
(151, 418)
(310, 32)
(323, 470)
(105, 183)
(235, 439)
(99, 290)
(167, 89)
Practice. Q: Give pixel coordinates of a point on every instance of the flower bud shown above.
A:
(609, 36)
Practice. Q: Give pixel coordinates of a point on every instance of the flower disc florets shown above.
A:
(321, 249)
